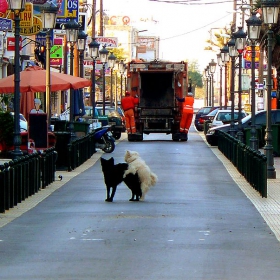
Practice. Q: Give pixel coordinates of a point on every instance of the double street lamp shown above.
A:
(48, 14)
(103, 58)
(93, 53)
(254, 29)
(240, 42)
(17, 6)
(270, 11)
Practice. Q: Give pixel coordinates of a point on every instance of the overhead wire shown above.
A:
(191, 2)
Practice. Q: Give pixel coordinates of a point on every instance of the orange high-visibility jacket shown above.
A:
(129, 102)
(188, 104)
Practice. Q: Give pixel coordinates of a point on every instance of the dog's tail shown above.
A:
(154, 178)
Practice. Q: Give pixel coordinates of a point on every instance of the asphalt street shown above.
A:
(195, 223)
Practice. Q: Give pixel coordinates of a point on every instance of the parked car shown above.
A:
(224, 117)
(260, 120)
(22, 122)
(199, 121)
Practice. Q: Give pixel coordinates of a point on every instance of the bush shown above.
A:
(6, 129)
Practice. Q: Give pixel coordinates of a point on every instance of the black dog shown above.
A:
(113, 176)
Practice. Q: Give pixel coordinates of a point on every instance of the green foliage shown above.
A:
(6, 128)
(196, 79)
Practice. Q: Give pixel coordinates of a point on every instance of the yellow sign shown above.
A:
(26, 17)
(36, 28)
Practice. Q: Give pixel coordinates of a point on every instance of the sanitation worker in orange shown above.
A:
(187, 116)
(128, 104)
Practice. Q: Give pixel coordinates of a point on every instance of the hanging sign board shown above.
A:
(56, 52)
(34, 29)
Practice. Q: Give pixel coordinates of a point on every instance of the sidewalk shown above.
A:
(269, 207)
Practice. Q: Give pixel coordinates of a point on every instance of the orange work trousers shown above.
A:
(130, 121)
(186, 122)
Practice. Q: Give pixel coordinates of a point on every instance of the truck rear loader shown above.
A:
(157, 83)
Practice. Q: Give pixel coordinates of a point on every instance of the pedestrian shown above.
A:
(37, 104)
(187, 115)
(128, 104)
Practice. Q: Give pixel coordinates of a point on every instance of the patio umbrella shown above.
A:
(33, 79)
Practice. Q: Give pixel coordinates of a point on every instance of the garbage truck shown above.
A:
(157, 83)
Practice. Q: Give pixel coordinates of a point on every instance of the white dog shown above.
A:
(146, 176)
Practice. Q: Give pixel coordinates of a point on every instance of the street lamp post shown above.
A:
(254, 28)
(225, 60)
(49, 14)
(72, 29)
(233, 54)
(270, 11)
(17, 7)
(121, 69)
(81, 45)
(207, 88)
(240, 41)
(212, 68)
(220, 63)
(94, 53)
(111, 64)
(103, 58)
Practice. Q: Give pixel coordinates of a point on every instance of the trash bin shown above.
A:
(247, 136)
(276, 139)
(61, 146)
(59, 125)
(81, 128)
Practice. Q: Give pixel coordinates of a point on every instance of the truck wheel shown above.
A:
(135, 137)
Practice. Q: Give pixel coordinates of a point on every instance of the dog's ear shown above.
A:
(111, 160)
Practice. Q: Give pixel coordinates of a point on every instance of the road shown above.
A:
(194, 224)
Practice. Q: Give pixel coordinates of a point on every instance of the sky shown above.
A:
(183, 29)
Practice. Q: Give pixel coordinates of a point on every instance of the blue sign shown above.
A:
(71, 11)
(5, 24)
(40, 38)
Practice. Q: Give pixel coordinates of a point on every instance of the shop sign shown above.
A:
(26, 16)
(56, 52)
(111, 42)
(68, 9)
(5, 24)
(34, 29)
(11, 43)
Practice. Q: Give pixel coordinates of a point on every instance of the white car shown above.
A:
(22, 122)
(224, 117)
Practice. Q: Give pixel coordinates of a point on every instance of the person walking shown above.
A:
(128, 104)
(187, 116)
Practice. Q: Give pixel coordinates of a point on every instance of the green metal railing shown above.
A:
(25, 176)
(250, 163)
